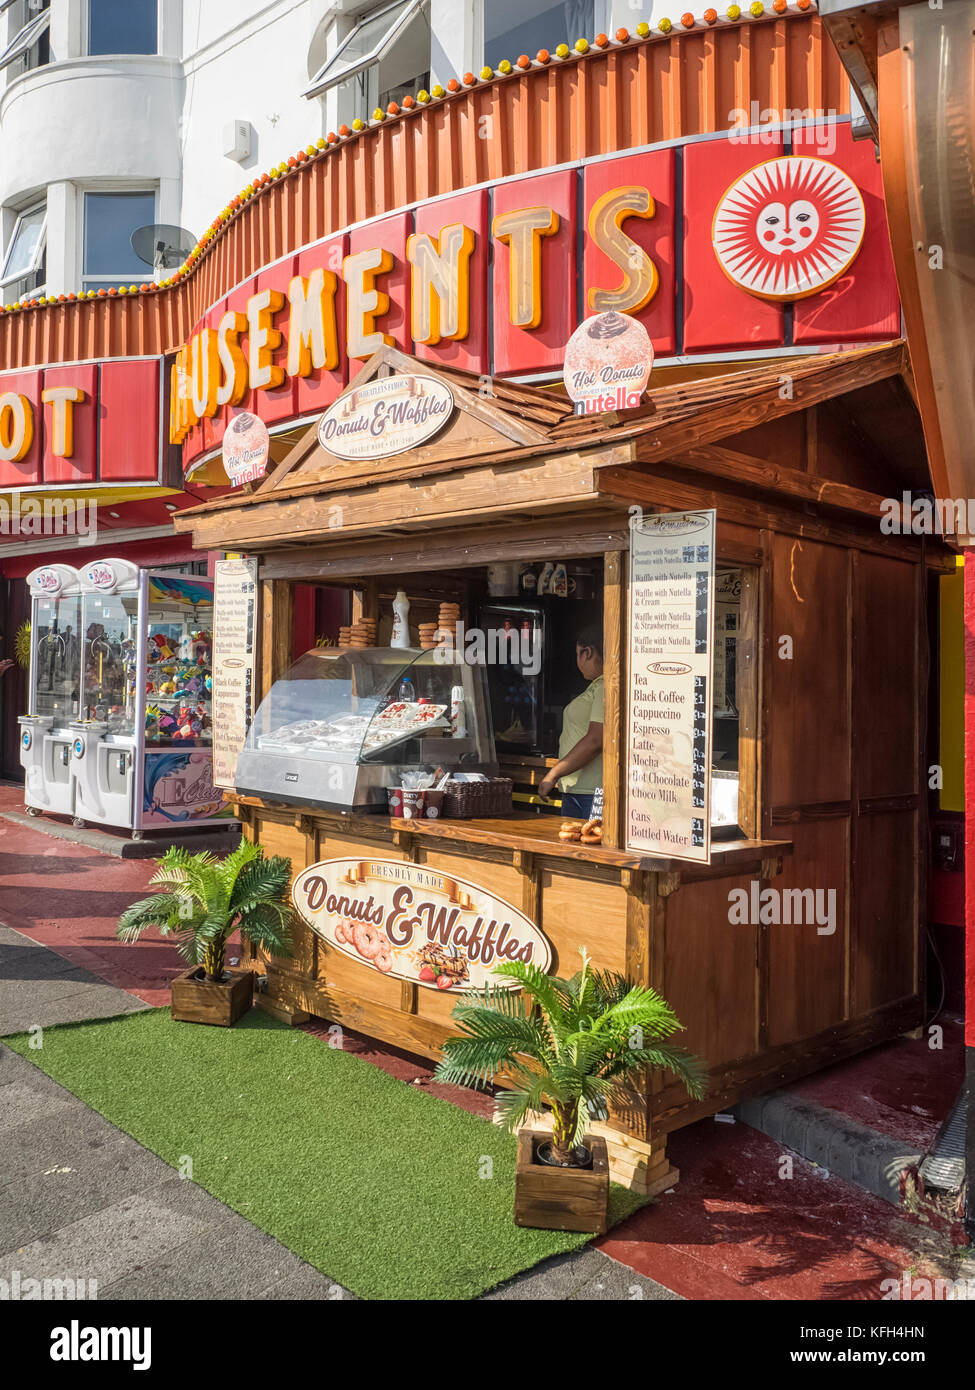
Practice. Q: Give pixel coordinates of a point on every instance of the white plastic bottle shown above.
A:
(401, 622)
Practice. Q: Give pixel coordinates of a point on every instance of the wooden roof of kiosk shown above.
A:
(515, 472)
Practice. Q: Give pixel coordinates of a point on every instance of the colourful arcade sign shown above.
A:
(714, 246)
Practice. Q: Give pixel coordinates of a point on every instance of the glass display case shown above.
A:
(120, 728)
(54, 688)
(342, 726)
(111, 630)
(178, 663)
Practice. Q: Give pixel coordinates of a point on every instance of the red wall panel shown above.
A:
(543, 348)
(655, 172)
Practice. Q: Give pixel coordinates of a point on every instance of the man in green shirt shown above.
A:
(579, 770)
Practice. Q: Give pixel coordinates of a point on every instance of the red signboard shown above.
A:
(496, 280)
(534, 230)
(128, 421)
(319, 388)
(81, 423)
(81, 464)
(719, 316)
(20, 465)
(630, 203)
(469, 210)
(863, 304)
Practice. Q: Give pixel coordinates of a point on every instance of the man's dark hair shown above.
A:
(590, 637)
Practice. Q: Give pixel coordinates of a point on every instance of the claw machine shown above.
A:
(54, 689)
(142, 756)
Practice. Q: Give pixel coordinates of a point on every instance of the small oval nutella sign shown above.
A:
(386, 416)
(246, 445)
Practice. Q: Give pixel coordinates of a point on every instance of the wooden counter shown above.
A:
(662, 922)
(533, 834)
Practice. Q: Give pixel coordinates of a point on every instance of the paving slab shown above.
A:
(39, 988)
(584, 1275)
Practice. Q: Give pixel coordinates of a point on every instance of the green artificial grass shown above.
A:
(381, 1186)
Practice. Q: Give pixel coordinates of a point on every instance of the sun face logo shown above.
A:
(789, 227)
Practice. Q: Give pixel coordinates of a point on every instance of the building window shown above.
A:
(123, 26)
(109, 221)
(25, 262)
(385, 57)
(514, 27)
(30, 47)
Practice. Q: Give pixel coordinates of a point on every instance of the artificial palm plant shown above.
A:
(204, 900)
(570, 1043)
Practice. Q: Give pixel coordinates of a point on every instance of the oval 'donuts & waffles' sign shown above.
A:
(789, 227)
(416, 924)
(387, 415)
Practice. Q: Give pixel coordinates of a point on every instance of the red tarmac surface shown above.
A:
(737, 1226)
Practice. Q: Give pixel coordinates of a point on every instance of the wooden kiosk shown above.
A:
(831, 721)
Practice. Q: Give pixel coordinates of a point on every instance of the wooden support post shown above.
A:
(365, 602)
(614, 669)
(276, 629)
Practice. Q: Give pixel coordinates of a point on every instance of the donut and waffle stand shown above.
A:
(323, 775)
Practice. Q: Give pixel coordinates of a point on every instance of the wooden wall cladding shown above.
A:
(809, 737)
(667, 88)
(885, 965)
(808, 972)
(844, 741)
(710, 973)
(886, 676)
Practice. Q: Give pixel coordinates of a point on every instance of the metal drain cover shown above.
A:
(944, 1167)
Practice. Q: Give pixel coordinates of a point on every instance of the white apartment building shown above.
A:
(118, 114)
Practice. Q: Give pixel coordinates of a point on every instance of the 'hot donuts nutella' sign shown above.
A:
(416, 924)
(387, 416)
(608, 363)
(246, 446)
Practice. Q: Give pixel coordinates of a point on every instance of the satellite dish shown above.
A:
(161, 245)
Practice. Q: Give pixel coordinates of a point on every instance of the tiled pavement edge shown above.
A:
(39, 988)
(861, 1155)
(80, 1199)
(219, 840)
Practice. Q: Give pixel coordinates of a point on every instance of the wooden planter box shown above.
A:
(194, 1001)
(561, 1199)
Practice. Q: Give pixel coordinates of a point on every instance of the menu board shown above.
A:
(234, 659)
(671, 655)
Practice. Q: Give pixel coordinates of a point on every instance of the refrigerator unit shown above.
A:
(518, 675)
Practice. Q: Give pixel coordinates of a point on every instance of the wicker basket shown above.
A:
(474, 800)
